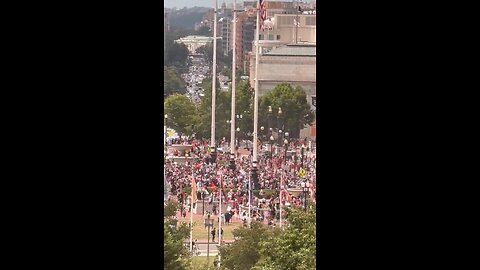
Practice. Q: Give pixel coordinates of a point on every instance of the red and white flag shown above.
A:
(263, 12)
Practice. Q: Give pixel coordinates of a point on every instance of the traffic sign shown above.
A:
(301, 172)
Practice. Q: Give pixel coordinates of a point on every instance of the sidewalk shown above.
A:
(205, 241)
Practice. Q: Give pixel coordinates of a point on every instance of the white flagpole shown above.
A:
(214, 76)
(249, 201)
(232, 118)
(255, 101)
(281, 183)
(220, 213)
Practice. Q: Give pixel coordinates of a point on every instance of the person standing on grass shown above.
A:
(213, 234)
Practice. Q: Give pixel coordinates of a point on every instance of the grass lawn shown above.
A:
(199, 231)
(200, 263)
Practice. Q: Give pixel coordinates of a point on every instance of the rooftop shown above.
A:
(294, 50)
(198, 38)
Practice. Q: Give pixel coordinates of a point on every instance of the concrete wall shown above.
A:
(296, 70)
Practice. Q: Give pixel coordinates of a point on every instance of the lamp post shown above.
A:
(208, 224)
(305, 188)
(270, 121)
(238, 139)
(272, 139)
(286, 146)
(280, 125)
(165, 130)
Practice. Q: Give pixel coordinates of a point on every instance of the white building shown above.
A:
(195, 42)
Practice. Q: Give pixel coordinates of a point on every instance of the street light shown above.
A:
(305, 188)
(271, 146)
(208, 224)
(280, 124)
(165, 130)
(238, 137)
(270, 120)
(286, 149)
(263, 135)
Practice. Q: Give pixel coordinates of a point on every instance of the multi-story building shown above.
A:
(224, 27)
(294, 64)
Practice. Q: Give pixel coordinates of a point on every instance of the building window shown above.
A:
(278, 37)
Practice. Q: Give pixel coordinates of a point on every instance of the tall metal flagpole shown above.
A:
(214, 76)
(191, 220)
(220, 217)
(280, 208)
(220, 212)
(249, 201)
(232, 117)
(255, 100)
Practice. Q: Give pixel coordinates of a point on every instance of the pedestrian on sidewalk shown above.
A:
(213, 234)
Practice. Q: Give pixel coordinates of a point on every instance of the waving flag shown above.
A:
(194, 189)
(263, 12)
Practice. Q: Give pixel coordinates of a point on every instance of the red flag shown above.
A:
(213, 186)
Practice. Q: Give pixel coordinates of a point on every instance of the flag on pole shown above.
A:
(263, 12)
(194, 189)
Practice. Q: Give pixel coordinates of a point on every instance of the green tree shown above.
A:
(244, 95)
(204, 31)
(173, 82)
(182, 113)
(175, 255)
(244, 253)
(222, 112)
(294, 248)
(296, 111)
(176, 54)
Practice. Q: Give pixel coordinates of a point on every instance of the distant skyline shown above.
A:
(205, 3)
(192, 3)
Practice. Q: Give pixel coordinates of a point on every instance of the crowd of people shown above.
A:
(278, 175)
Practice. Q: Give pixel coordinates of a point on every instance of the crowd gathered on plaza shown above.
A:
(278, 175)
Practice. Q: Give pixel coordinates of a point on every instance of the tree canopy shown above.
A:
(175, 255)
(296, 111)
(176, 54)
(173, 82)
(263, 247)
(182, 113)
